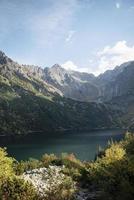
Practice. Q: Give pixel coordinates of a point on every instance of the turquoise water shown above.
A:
(83, 144)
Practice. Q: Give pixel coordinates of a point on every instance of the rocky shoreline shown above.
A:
(46, 179)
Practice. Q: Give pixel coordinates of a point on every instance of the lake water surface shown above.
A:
(83, 144)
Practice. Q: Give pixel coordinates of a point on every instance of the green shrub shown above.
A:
(48, 159)
(23, 166)
(6, 164)
(113, 173)
(17, 189)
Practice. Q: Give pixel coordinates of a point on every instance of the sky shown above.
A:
(85, 35)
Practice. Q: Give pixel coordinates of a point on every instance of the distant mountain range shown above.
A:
(49, 99)
(87, 87)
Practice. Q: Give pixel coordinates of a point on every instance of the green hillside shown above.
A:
(24, 109)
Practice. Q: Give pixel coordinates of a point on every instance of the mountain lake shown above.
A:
(82, 144)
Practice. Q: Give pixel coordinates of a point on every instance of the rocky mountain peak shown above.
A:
(2, 54)
(4, 59)
(56, 69)
(56, 66)
(73, 84)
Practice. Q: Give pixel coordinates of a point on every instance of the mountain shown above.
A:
(37, 99)
(117, 88)
(87, 87)
(32, 99)
(114, 87)
(72, 84)
(116, 83)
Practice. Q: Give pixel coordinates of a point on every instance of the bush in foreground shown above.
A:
(113, 173)
(15, 188)
(6, 165)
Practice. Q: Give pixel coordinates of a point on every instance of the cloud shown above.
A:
(118, 5)
(52, 26)
(106, 59)
(44, 22)
(70, 36)
(69, 65)
(110, 57)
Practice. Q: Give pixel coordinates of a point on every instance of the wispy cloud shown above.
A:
(53, 25)
(131, 8)
(118, 5)
(109, 57)
(45, 24)
(70, 36)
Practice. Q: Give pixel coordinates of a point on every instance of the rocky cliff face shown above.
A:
(116, 83)
(76, 85)
(86, 87)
